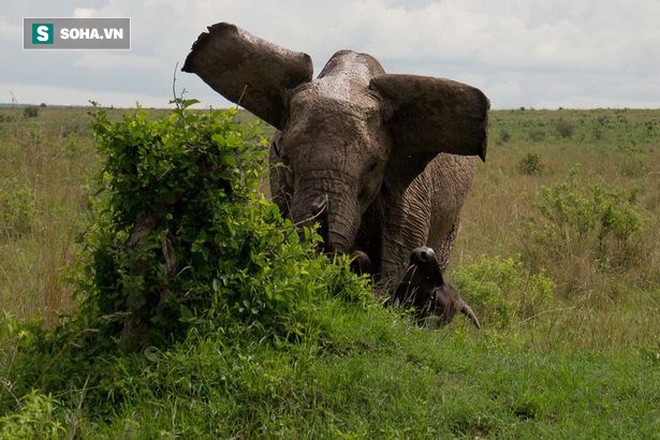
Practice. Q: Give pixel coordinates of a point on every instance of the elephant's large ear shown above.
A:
(248, 70)
(433, 115)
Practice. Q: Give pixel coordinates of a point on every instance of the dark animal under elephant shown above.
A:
(383, 161)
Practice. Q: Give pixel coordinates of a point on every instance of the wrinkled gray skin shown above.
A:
(423, 288)
(383, 161)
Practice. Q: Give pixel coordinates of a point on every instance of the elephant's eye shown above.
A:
(372, 167)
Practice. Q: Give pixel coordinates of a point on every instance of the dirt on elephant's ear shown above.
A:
(248, 70)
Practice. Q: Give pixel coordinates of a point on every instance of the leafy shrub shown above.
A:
(185, 238)
(35, 418)
(505, 136)
(31, 111)
(530, 164)
(502, 291)
(582, 232)
(607, 213)
(564, 128)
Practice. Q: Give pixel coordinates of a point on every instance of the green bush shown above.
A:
(564, 128)
(564, 215)
(31, 111)
(587, 238)
(530, 164)
(184, 237)
(501, 291)
(35, 418)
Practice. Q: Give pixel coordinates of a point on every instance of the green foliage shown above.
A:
(23, 333)
(593, 241)
(530, 164)
(501, 291)
(30, 111)
(36, 417)
(184, 237)
(609, 221)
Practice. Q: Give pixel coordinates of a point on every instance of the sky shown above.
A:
(521, 53)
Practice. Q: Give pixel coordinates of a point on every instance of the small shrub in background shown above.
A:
(579, 235)
(609, 214)
(564, 128)
(505, 136)
(31, 111)
(501, 291)
(530, 164)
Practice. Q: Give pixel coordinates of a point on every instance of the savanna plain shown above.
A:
(558, 254)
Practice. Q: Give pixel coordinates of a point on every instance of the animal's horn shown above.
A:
(467, 311)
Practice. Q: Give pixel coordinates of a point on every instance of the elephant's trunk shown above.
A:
(332, 209)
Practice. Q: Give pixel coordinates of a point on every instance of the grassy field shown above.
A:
(558, 254)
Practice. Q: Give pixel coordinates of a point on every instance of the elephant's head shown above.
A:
(343, 133)
(424, 288)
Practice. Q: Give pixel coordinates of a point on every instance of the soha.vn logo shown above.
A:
(42, 33)
(77, 33)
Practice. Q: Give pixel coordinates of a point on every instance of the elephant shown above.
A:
(382, 161)
(424, 289)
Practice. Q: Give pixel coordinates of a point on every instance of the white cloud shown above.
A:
(522, 53)
(10, 33)
(83, 13)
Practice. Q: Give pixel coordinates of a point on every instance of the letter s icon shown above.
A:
(43, 33)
